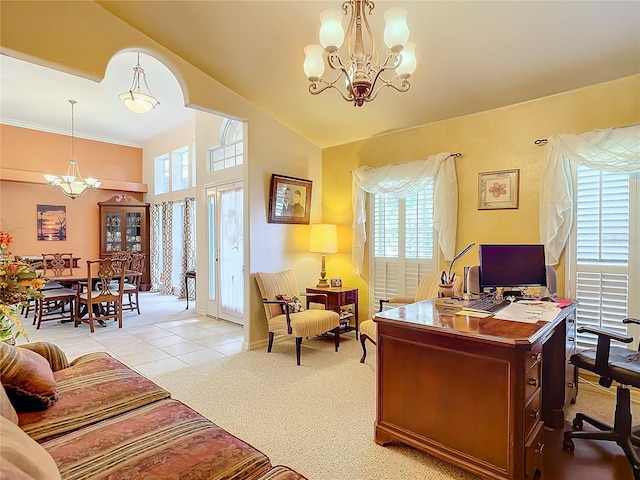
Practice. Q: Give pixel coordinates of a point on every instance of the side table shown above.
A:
(338, 297)
(189, 274)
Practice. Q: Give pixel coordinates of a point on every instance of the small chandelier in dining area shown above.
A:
(136, 99)
(72, 184)
(361, 74)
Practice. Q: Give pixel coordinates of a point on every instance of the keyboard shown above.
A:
(487, 305)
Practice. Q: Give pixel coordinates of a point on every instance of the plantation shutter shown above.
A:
(403, 244)
(602, 250)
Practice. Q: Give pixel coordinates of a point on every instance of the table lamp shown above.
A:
(323, 239)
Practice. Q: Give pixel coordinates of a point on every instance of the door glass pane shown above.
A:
(212, 246)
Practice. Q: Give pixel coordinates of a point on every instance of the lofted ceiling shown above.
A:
(472, 56)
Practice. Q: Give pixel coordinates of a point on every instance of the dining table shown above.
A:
(78, 282)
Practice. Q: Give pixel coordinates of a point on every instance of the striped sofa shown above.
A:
(99, 419)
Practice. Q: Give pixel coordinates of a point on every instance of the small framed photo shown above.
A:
(335, 282)
(498, 190)
(289, 200)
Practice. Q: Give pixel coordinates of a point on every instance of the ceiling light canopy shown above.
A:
(361, 74)
(136, 99)
(72, 184)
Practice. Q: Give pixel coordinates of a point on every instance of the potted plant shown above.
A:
(19, 283)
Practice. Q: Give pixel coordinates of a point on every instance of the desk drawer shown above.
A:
(532, 381)
(533, 357)
(533, 413)
(533, 452)
(347, 298)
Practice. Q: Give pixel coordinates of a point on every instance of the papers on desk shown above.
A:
(529, 311)
(473, 313)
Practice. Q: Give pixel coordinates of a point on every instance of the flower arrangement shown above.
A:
(19, 283)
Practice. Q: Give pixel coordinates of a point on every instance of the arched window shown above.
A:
(230, 152)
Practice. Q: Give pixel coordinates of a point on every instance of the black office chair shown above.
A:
(621, 365)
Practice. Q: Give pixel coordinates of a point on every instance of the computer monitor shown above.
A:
(512, 266)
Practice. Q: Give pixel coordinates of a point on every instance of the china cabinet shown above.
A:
(124, 226)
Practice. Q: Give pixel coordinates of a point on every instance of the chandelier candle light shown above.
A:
(72, 184)
(135, 99)
(361, 74)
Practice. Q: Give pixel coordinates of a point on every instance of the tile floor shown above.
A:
(165, 337)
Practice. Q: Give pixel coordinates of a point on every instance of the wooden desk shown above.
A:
(474, 392)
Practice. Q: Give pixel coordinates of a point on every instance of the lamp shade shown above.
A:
(323, 238)
(313, 62)
(408, 64)
(331, 32)
(396, 31)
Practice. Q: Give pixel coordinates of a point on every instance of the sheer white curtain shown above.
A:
(614, 150)
(400, 181)
(231, 253)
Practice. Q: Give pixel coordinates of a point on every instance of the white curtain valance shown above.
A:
(615, 150)
(402, 180)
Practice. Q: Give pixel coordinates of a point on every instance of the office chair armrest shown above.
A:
(604, 345)
(600, 332)
(631, 320)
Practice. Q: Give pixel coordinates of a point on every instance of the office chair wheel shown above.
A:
(567, 443)
(578, 424)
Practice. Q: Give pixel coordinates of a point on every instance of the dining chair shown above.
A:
(103, 298)
(427, 288)
(57, 264)
(55, 297)
(133, 278)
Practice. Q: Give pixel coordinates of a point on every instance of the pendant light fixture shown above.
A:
(72, 184)
(136, 99)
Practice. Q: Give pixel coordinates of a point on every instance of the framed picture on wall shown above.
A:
(289, 200)
(498, 190)
(51, 222)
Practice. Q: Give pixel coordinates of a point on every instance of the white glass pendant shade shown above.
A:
(313, 61)
(331, 31)
(396, 30)
(135, 99)
(138, 102)
(408, 64)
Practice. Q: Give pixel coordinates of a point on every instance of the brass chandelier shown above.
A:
(361, 75)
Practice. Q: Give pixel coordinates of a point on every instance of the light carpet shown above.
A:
(317, 418)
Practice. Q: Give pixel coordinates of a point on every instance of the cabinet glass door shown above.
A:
(113, 228)
(133, 231)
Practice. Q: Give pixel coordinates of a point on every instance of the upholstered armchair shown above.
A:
(428, 288)
(286, 314)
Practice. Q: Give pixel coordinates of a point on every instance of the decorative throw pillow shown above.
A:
(21, 457)
(294, 301)
(27, 379)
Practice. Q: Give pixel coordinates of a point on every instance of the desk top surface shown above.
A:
(425, 315)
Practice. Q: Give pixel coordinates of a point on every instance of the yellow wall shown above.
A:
(492, 140)
(38, 152)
